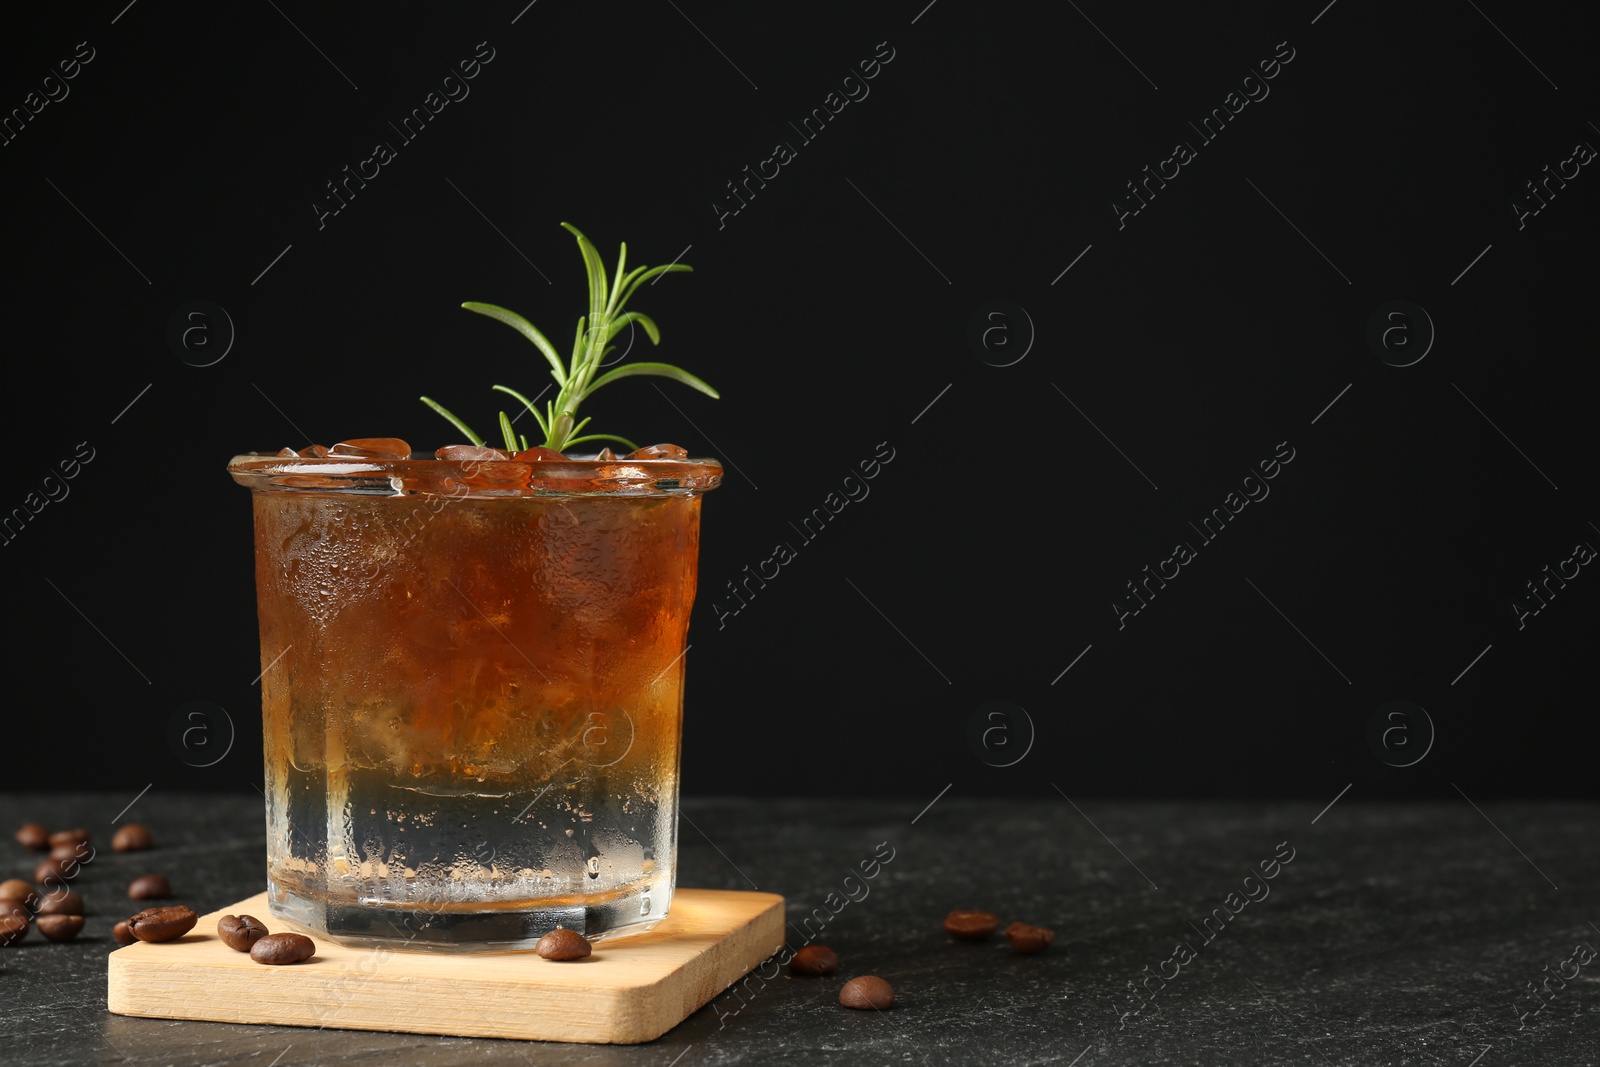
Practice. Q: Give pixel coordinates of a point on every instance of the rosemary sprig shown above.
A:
(577, 378)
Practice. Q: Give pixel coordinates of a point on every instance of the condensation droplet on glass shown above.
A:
(644, 905)
(594, 866)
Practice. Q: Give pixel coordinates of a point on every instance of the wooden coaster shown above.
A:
(631, 990)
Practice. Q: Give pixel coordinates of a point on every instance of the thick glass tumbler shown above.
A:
(472, 691)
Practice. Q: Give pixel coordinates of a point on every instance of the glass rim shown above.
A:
(474, 478)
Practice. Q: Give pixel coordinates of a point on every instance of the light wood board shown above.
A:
(631, 990)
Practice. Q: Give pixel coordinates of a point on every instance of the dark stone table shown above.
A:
(1395, 934)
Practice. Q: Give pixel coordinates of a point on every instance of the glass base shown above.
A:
(621, 913)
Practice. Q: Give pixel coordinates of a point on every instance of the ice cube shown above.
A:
(470, 453)
(659, 452)
(288, 452)
(313, 452)
(375, 447)
(605, 456)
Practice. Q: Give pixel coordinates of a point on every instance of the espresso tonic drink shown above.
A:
(472, 691)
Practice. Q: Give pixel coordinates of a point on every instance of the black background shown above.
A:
(831, 312)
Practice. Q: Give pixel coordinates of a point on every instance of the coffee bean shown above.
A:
(868, 991)
(971, 925)
(61, 902)
(240, 932)
(1029, 939)
(563, 944)
(149, 887)
(132, 838)
(814, 959)
(71, 856)
(53, 872)
(69, 837)
(15, 889)
(35, 836)
(13, 927)
(30, 902)
(163, 924)
(122, 933)
(15, 918)
(59, 927)
(279, 949)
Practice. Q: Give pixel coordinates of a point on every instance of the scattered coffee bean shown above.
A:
(15, 889)
(30, 902)
(59, 927)
(35, 836)
(1029, 939)
(54, 872)
(240, 932)
(814, 959)
(163, 924)
(563, 944)
(61, 902)
(149, 887)
(70, 857)
(131, 838)
(971, 925)
(279, 949)
(69, 837)
(123, 933)
(13, 927)
(868, 991)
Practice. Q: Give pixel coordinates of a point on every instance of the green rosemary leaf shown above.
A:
(527, 404)
(621, 322)
(655, 370)
(457, 423)
(617, 294)
(596, 269)
(616, 285)
(644, 277)
(526, 329)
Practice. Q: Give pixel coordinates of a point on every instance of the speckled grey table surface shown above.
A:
(1385, 934)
